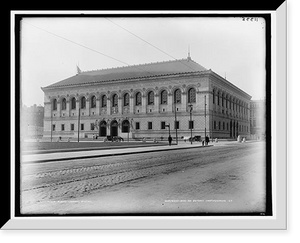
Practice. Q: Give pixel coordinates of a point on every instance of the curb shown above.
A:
(87, 149)
(112, 154)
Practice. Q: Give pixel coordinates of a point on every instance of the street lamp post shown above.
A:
(175, 123)
(78, 125)
(128, 130)
(169, 129)
(205, 117)
(51, 125)
(191, 109)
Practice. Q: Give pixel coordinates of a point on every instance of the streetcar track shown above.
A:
(83, 184)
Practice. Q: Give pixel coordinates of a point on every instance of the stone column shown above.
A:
(58, 108)
(98, 106)
(170, 102)
(183, 102)
(87, 107)
(108, 110)
(156, 103)
(144, 104)
(131, 104)
(120, 106)
(68, 107)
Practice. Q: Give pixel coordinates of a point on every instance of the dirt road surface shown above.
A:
(226, 179)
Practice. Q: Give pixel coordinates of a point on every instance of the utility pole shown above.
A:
(205, 116)
(191, 109)
(169, 129)
(51, 120)
(176, 123)
(78, 124)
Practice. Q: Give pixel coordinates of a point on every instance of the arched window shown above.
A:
(151, 98)
(177, 96)
(73, 103)
(223, 100)
(126, 99)
(115, 100)
(164, 97)
(192, 95)
(226, 101)
(93, 102)
(138, 98)
(54, 105)
(83, 103)
(103, 101)
(63, 104)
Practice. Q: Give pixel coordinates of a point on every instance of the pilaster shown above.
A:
(144, 105)
(108, 110)
(131, 106)
(156, 103)
(170, 102)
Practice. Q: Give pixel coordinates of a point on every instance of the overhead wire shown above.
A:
(147, 42)
(108, 56)
(91, 49)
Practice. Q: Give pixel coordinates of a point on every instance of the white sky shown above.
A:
(228, 45)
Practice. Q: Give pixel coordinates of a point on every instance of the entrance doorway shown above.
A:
(114, 128)
(102, 132)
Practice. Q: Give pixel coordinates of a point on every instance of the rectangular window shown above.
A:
(62, 127)
(163, 125)
(219, 125)
(81, 126)
(72, 127)
(223, 125)
(191, 124)
(149, 125)
(137, 125)
(92, 126)
(176, 125)
(215, 125)
(53, 127)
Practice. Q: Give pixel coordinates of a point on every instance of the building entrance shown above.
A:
(114, 128)
(102, 131)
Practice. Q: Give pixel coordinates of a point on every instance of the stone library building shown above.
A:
(146, 101)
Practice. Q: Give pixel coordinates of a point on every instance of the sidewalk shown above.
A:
(60, 156)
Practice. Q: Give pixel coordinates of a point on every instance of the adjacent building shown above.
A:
(258, 119)
(140, 101)
(32, 125)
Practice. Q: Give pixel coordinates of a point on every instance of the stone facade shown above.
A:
(146, 104)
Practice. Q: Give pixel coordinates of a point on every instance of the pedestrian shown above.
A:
(206, 140)
(170, 140)
(203, 142)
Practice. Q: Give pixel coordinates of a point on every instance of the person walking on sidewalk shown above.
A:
(170, 140)
(206, 140)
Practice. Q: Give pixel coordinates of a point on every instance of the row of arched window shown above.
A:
(229, 102)
(138, 99)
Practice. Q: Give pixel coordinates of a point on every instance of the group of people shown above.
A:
(204, 141)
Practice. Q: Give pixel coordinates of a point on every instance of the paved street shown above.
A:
(223, 178)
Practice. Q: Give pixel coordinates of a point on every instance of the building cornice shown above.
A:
(118, 81)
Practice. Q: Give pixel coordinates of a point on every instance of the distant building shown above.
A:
(32, 121)
(142, 100)
(258, 119)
